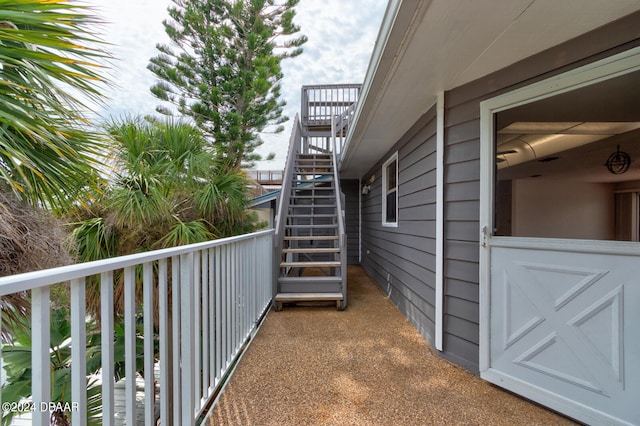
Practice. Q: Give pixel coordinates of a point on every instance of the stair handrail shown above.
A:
(295, 143)
(339, 123)
(340, 212)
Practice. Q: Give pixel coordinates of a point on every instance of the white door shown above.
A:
(559, 297)
(564, 328)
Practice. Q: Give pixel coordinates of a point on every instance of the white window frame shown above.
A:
(386, 190)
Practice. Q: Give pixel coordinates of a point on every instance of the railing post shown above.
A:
(149, 355)
(165, 340)
(212, 319)
(196, 348)
(341, 227)
(255, 288)
(204, 304)
(78, 351)
(218, 312)
(106, 340)
(187, 338)
(130, 343)
(176, 330)
(40, 358)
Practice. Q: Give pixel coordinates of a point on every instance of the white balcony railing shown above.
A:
(210, 299)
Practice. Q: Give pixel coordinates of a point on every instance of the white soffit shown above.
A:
(441, 44)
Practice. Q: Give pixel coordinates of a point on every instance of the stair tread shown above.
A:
(313, 250)
(325, 225)
(293, 297)
(313, 196)
(311, 206)
(317, 264)
(324, 194)
(311, 237)
(325, 180)
(315, 215)
(322, 279)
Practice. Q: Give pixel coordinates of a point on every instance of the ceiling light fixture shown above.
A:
(618, 162)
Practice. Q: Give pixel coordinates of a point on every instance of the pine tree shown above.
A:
(224, 70)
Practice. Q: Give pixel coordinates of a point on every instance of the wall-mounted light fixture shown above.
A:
(618, 162)
(366, 189)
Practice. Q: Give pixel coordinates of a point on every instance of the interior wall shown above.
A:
(563, 209)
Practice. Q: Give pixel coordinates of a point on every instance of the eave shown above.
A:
(428, 46)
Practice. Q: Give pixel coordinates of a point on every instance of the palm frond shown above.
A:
(94, 240)
(49, 63)
(183, 233)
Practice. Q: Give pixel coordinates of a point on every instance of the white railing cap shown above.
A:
(30, 280)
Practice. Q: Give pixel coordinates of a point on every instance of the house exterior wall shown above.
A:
(351, 190)
(402, 260)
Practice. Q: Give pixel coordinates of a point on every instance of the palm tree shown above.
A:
(48, 63)
(167, 189)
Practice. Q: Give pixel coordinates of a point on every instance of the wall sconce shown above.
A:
(618, 162)
(366, 189)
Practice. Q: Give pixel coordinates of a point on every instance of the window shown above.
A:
(551, 178)
(390, 191)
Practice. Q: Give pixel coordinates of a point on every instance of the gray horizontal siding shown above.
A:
(402, 259)
(462, 172)
(461, 250)
(351, 190)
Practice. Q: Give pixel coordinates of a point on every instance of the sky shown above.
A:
(342, 34)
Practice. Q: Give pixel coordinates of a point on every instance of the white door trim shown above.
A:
(604, 69)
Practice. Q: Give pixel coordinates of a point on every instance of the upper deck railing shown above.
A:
(207, 299)
(320, 103)
(326, 111)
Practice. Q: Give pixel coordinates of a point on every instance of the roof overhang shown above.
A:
(428, 46)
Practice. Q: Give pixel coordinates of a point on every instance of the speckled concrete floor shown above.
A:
(366, 365)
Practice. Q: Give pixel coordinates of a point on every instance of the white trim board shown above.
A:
(391, 159)
(439, 320)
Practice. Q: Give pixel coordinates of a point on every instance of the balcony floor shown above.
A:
(366, 365)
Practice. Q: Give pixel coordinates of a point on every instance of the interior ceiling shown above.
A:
(428, 46)
(577, 130)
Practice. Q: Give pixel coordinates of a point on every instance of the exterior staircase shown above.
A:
(310, 241)
(311, 267)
